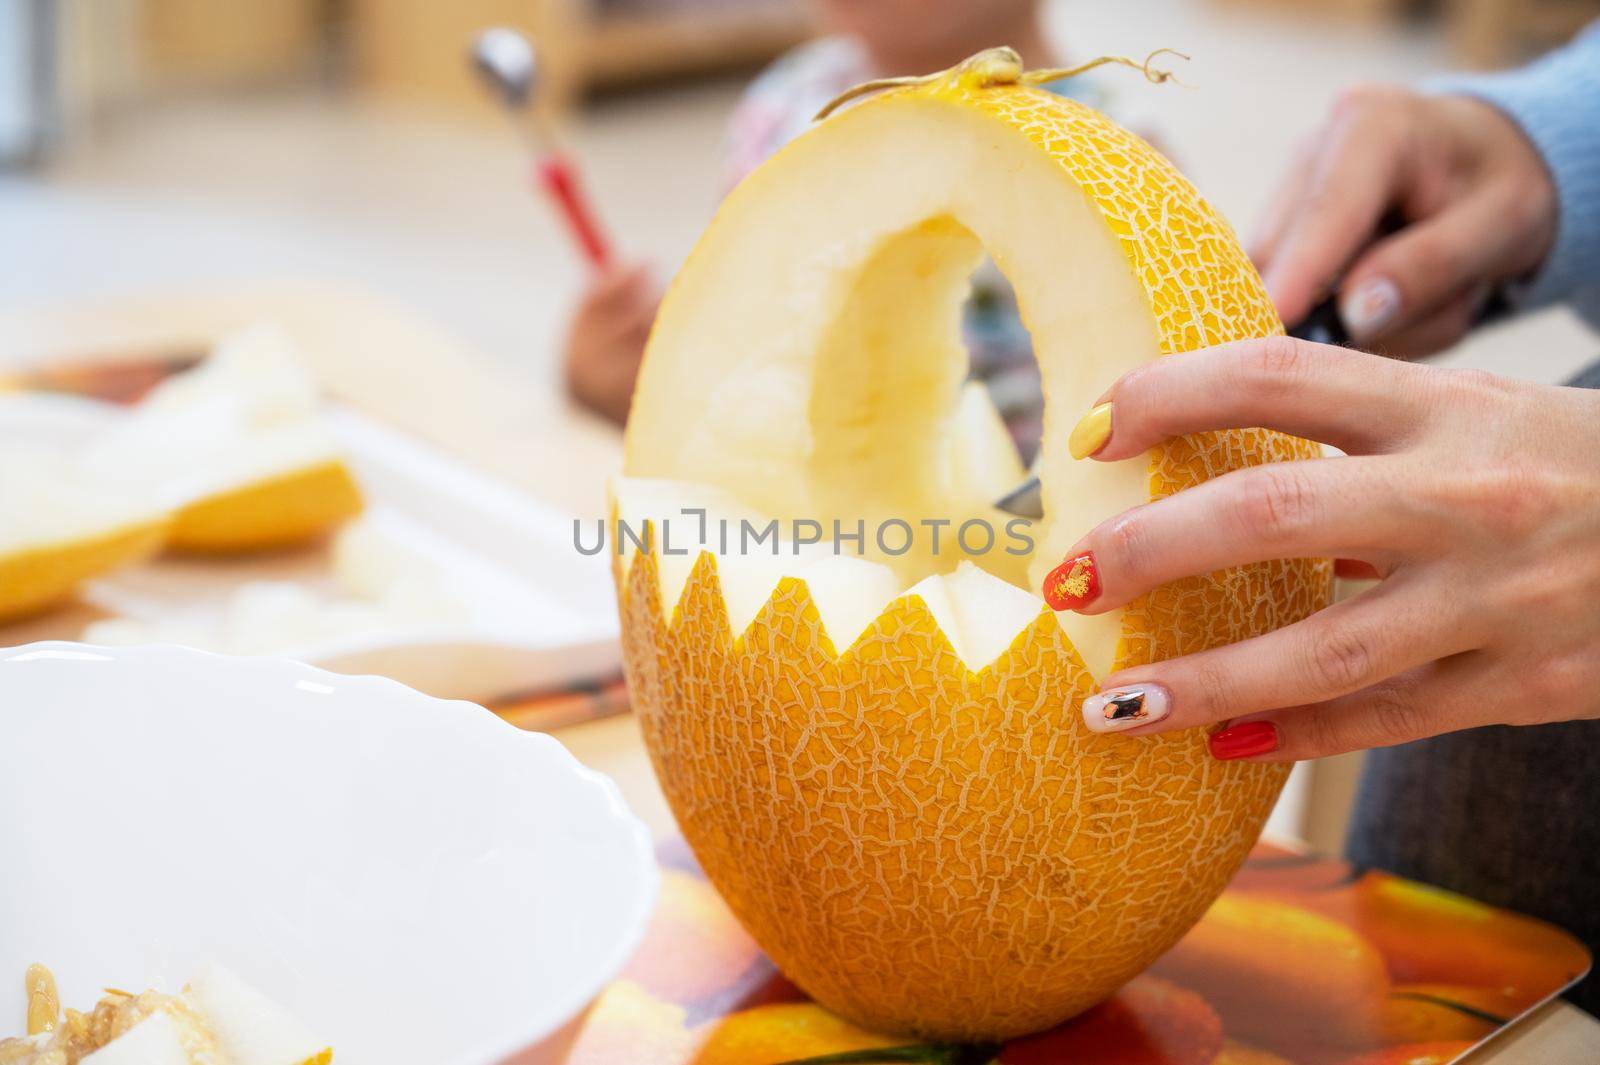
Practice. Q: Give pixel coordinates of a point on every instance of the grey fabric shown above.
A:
(1588, 377)
(1556, 101)
(1507, 815)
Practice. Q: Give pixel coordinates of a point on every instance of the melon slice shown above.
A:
(237, 449)
(981, 451)
(60, 528)
(153, 1041)
(879, 760)
(217, 1020)
(251, 1028)
(384, 581)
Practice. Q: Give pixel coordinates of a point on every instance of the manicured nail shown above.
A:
(1091, 432)
(1369, 308)
(1272, 281)
(1074, 584)
(1245, 740)
(1119, 708)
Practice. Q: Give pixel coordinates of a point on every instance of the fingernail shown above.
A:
(1091, 432)
(1370, 307)
(1272, 281)
(1245, 740)
(1119, 708)
(1074, 584)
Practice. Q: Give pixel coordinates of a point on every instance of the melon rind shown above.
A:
(924, 848)
(36, 577)
(284, 510)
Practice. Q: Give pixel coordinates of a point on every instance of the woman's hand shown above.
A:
(1473, 201)
(606, 338)
(1475, 498)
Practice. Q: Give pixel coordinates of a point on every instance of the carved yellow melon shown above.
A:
(880, 760)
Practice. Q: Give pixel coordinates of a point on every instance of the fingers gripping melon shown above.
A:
(880, 763)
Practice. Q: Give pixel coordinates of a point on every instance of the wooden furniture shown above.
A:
(628, 43)
(186, 43)
(1497, 33)
(112, 51)
(414, 48)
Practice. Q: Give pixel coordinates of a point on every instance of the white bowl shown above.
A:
(415, 879)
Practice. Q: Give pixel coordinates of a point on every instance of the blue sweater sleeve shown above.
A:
(1556, 101)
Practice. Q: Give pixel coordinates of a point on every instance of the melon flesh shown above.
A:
(809, 363)
(218, 1019)
(248, 413)
(251, 1028)
(979, 613)
(236, 448)
(153, 1041)
(981, 451)
(60, 526)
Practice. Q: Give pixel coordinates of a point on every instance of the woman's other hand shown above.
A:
(1475, 498)
(1474, 205)
(606, 338)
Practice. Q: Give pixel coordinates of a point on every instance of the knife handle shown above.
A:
(1323, 325)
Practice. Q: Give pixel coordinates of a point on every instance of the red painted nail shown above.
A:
(1245, 741)
(1074, 584)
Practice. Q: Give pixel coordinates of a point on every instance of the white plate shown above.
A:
(417, 880)
(544, 615)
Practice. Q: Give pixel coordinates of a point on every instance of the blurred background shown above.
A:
(153, 143)
(163, 158)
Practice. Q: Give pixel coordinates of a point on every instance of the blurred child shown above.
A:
(864, 39)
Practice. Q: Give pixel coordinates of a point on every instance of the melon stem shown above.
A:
(1003, 66)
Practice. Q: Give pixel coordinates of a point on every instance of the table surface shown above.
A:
(431, 386)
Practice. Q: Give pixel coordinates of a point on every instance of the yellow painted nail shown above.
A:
(1091, 432)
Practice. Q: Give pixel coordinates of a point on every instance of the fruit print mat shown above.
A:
(1302, 961)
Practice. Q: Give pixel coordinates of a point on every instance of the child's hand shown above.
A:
(605, 340)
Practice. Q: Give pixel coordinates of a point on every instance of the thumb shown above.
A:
(1403, 279)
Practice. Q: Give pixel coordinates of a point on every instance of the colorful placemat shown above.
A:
(1303, 961)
